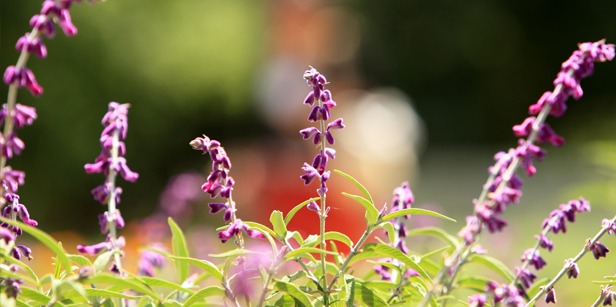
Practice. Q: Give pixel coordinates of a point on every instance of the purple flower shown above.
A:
(235, 228)
(478, 300)
(22, 77)
(551, 296)
(149, 260)
(534, 259)
(545, 242)
(598, 249)
(572, 268)
(108, 244)
(525, 277)
(11, 286)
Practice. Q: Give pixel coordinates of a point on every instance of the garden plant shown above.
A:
(273, 264)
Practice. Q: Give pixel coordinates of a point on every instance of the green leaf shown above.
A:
(158, 282)
(124, 284)
(415, 211)
(295, 292)
(80, 260)
(18, 275)
(372, 214)
(286, 301)
(368, 297)
(278, 223)
(295, 209)
(202, 264)
(311, 241)
(475, 283)
(34, 295)
(435, 232)
(300, 252)
(101, 261)
(231, 253)
(109, 294)
(351, 292)
(44, 238)
(493, 264)
(203, 293)
(260, 227)
(380, 250)
(338, 236)
(180, 248)
(354, 181)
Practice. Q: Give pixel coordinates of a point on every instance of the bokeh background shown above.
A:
(429, 91)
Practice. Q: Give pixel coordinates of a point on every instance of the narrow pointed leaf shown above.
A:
(231, 253)
(202, 264)
(368, 297)
(338, 236)
(380, 250)
(278, 224)
(354, 181)
(159, 282)
(293, 291)
(435, 232)
(34, 295)
(495, 265)
(300, 252)
(372, 214)
(295, 209)
(203, 293)
(415, 211)
(46, 240)
(180, 248)
(109, 294)
(101, 261)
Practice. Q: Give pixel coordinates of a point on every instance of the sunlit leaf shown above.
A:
(202, 264)
(159, 282)
(292, 290)
(415, 211)
(278, 223)
(34, 295)
(338, 236)
(372, 214)
(180, 248)
(45, 239)
(494, 264)
(203, 293)
(435, 232)
(380, 250)
(295, 209)
(354, 181)
(102, 260)
(123, 284)
(367, 296)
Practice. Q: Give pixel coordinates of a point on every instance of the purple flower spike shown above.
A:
(320, 101)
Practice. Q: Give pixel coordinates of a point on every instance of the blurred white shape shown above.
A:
(384, 134)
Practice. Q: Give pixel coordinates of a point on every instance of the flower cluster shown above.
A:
(220, 183)
(504, 187)
(111, 162)
(403, 199)
(52, 12)
(321, 102)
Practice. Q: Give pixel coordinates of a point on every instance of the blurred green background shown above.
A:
(189, 67)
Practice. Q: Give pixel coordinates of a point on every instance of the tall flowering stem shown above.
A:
(503, 186)
(220, 183)
(321, 102)
(111, 162)
(15, 116)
